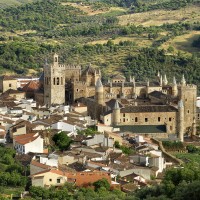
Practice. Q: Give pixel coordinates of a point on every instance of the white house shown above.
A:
(31, 142)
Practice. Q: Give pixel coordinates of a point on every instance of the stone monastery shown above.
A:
(156, 107)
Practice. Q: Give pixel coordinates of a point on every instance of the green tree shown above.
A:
(102, 183)
(62, 141)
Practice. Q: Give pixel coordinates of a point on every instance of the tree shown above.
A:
(62, 141)
(101, 183)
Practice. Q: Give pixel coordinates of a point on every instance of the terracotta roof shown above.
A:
(26, 138)
(55, 171)
(31, 86)
(41, 165)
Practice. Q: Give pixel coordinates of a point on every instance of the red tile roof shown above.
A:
(26, 138)
(41, 165)
(31, 86)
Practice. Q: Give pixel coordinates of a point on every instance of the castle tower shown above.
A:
(181, 120)
(99, 98)
(188, 94)
(99, 92)
(174, 87)
(116, 114)
(54, 83)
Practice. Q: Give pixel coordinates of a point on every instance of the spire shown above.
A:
(130, 79)
(165, 81)
(174, 80)
(99, 83)
(133, 79)
(147, 82)
(180, 104)
(183, 81)
(116, 106)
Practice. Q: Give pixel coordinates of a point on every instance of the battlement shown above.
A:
(69, 67)
(188, 86)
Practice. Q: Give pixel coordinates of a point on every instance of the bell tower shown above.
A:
(54, 83)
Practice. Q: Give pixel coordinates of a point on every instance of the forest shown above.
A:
(31, 32)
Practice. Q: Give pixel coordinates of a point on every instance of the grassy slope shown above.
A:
(159, 17)
(6, 3)
(114, 61)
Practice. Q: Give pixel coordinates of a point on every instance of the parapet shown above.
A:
(73, 67)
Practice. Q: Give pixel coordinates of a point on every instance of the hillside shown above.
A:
(7, 3)
(113, 35)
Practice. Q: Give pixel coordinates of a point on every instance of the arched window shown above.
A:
(54, 80)
(57, 81)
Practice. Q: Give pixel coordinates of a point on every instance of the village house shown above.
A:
(56, 177)
(31, 142)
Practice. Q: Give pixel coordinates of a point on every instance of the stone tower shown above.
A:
(181, 120)
(99, 98)
(54, 83)
(116, 114)
(188, 94)
(99, 92)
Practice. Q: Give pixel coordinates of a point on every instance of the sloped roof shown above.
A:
(26, 138)
(143, 128)
(31, 86)
(112, 103)
(89, 69)
(118, 76)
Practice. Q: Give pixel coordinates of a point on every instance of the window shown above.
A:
(58, 180)
(158, 119)
(124, 115)
(188, 111)
(136, 119)
(54, 81)
(50, 180)
(10, 85)
(170, 119)
(61, 80)
(146, 119)
(124, 120)
(58, 81)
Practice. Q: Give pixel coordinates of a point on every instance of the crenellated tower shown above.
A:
(54, 83)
